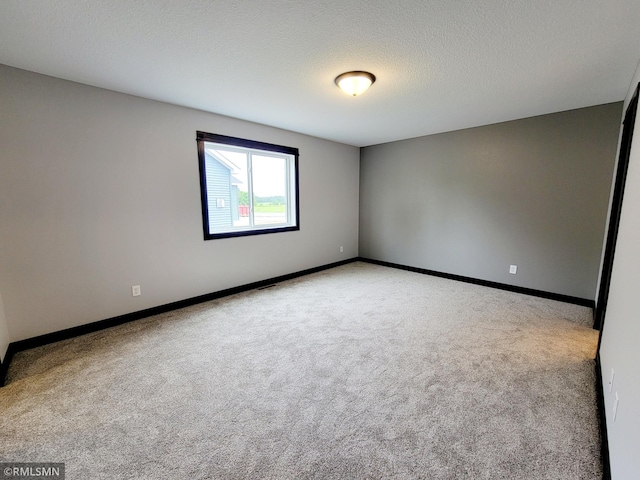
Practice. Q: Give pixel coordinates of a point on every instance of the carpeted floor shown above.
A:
(357, 372)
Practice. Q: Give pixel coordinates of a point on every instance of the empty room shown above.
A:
(319, 240)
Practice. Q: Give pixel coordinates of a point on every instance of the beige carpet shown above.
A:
(356, 372)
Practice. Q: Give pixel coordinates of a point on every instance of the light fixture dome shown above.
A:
(355, 83)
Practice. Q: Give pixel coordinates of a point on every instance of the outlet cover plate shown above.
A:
(613, 375)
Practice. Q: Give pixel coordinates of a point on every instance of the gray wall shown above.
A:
(620, 348)
(100, 191)
(530, 192)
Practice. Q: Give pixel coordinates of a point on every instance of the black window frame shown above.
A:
(201, 138)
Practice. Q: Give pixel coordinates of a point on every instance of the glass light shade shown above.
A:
(355, 83)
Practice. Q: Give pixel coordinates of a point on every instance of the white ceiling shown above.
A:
(441, 65)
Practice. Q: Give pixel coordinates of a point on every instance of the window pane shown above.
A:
(269, 190)
(227, 188)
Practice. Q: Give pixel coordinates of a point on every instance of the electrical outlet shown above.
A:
(615, 407)
(513, 269)
(613, 374)
(341, 249)
(135, 290)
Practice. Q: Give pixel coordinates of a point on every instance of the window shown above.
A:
(247, 187)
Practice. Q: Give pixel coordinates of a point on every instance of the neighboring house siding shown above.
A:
(219, 188)
(234, 202)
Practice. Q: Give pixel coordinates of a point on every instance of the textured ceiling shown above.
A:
(440, 65)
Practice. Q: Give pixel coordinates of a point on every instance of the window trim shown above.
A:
(201, 138)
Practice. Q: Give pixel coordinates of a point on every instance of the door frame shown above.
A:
(616, 209)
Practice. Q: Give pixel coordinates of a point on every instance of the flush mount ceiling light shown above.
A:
(355, 83)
